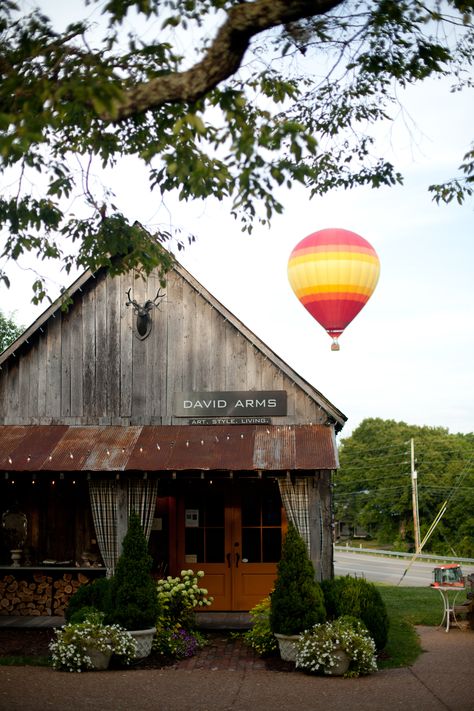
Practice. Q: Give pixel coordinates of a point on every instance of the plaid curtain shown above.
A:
(103, 498)
(142, 499)
(141, 496)
(295, 497)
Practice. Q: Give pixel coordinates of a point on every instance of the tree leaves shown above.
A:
(317, 77)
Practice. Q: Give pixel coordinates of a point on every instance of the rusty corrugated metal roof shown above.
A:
(167, 448)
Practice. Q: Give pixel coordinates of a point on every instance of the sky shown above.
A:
(409, 354)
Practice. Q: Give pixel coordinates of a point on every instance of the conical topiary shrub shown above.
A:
(133, 594)
(297, 602)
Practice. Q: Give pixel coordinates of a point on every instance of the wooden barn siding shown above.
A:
(88, 366)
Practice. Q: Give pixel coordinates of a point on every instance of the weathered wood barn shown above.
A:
(167, 405)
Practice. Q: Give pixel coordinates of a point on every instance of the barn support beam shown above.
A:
(320, 525)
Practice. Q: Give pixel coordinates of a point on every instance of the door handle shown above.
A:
(228, 559)
(237, 558)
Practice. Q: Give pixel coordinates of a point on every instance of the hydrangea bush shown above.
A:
(178, 598)
(260, 636)
(69, 649)
(316, 648)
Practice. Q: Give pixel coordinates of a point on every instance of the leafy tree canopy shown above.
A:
(9, 331)
(219, 98)
(373, 487)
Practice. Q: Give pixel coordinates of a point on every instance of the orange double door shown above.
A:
(231, 530)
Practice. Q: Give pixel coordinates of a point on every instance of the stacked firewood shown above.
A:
(64, 588)
(38, 594)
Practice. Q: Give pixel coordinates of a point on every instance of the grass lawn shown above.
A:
(406, 607)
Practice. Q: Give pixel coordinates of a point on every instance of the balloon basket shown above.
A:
(335, 346)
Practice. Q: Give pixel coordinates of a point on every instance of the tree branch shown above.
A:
(224, 56)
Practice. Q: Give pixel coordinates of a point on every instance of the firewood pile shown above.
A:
(38, 594)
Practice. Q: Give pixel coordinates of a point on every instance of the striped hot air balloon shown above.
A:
(333, 273)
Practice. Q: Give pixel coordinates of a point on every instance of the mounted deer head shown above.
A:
(143, 323)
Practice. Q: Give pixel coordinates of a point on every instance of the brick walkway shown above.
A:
(223, 652)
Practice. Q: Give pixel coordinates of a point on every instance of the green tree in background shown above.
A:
(373, 487)
(269, 93)
(9, 331)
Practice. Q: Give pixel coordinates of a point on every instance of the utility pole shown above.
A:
(414, 492)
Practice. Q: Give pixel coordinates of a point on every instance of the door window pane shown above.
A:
(194, 544)
(271, 544)
(271, 509)
(214, 545)
(251, 545)
(251, 508)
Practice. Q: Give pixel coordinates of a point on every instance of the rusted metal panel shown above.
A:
(28, 448)
(112, 449)
(167, 448)
(315, 447)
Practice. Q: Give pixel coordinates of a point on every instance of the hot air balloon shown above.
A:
(333, 272)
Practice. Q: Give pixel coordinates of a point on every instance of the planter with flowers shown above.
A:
(90, 644)
(179, 597)
(342, 647)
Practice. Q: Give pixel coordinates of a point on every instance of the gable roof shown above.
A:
(335, 416)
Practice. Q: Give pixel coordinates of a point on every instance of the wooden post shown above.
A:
(122, 512)
(320, 525)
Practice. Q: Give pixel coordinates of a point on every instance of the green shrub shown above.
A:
(260, 636)
(361, 599)
(133, 597)
(297, 602)
(94, 595)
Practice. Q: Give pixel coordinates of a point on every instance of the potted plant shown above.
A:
(133, 601)
(90, 644)
(342, 647)
(297, 602)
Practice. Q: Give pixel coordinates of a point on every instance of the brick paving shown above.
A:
(224, 651)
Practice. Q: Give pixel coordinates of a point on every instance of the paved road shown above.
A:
(386, 570)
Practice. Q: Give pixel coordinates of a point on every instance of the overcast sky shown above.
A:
(409, 354)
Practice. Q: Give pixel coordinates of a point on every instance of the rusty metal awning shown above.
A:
(33, 448)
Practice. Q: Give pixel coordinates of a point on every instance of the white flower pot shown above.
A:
(287, 645)
(100, 660)
(144, 640)
(341, 665)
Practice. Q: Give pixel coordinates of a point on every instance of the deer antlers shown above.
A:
(143, 323)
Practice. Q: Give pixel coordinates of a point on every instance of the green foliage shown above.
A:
(297, 599)
(133, 597)
(373, 485)
(9, 331)
(357, 597)
(260, 636)
(93, 596)
(250, 116)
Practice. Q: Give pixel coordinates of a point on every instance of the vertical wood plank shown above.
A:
(76, 350)
(114, 298)
(126, 337)
(66, 365)
(175, 343)
(89, 355)
(53, 369)
(101, 350)
(139, 349)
